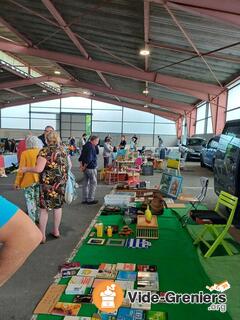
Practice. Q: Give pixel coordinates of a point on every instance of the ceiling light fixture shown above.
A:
(144, 52)
(44, 90)
(34, 98)
(57, 72)
(145, 106)
(145, 91)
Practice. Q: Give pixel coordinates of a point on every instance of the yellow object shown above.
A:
(109, 231)
(148, 214)
(173, 164)
(28, 159)
(99, 227)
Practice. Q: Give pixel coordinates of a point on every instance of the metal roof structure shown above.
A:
(94, 45)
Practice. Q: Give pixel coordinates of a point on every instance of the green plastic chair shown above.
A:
(219, 231)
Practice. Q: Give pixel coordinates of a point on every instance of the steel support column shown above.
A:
(191, 118)
(218, 112)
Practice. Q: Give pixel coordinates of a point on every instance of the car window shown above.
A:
(195, 142)
(232, 130)
(214, 144)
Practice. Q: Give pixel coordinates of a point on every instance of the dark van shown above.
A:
(227, 161)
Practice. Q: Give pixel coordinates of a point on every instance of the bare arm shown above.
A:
(20, 237)
(41, 162)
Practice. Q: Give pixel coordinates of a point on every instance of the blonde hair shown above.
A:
(53, 138)
(33, 142)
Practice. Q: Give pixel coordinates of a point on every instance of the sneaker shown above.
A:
(84, 202)
(92, 202)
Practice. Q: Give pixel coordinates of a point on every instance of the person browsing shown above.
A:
(88, 165)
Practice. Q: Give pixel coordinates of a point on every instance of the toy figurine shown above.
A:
(125, 231)
(148, 215)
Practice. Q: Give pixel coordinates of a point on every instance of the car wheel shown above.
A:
(202, 163)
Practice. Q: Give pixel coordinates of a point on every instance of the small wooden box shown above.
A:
(147, 230)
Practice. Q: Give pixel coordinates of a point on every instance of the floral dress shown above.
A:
(53, 178)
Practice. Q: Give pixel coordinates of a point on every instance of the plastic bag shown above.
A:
(70, 192)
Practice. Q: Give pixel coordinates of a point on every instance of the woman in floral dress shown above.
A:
(52, 164)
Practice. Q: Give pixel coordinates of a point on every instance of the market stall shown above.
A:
(169, 257)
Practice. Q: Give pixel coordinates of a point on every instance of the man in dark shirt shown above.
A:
(88, 165)
(42, 137)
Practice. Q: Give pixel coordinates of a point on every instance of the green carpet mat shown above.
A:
(178, 264)
(220, 266)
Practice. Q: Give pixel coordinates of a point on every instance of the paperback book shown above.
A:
(146, 268)
(79, 289)
(66, 309)
(125, 284)
(127, 275)
(87, 272)
(148, 281)
(130, 314)
(126, 266)
(107, 271)
(85, 298)
(81, 280)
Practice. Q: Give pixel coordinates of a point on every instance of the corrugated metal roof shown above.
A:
(117, 26)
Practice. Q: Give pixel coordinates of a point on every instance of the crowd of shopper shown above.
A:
(44, 164)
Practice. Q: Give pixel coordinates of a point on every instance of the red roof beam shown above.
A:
(119, 70)
(177, 106)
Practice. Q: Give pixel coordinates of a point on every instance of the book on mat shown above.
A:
(79, 280)
(146, 268)
(130, 314)
(107, 271)
(126, 267)
(148, 281)
(127, 275)
(79, 289)
(125, 284)
(83, 298)
(66, 309)
(85, 272)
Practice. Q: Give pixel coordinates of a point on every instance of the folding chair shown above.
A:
(195, 201)
(215, 224)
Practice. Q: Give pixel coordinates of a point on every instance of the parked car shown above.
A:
(227, 161)
(192, 149)
(227, 164)
(208, 153)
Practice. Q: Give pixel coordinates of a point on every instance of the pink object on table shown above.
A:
(20, 148)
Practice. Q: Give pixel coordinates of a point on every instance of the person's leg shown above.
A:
(106, 161)
(85, 187)
(37, 196)
(92, 184)
(43, 219)
(30, 202)
(57, 221)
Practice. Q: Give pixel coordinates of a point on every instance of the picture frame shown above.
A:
(115, 242)
(170, 185)
(96, 241)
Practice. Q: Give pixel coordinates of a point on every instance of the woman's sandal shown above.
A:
(55, 236)
(43, 241)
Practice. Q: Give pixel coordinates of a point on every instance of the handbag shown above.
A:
(70, 191)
